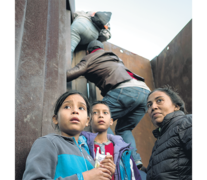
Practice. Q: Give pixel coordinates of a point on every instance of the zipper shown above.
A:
(79, 147)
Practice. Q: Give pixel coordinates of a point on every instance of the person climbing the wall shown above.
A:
(88, 26)
(125, 92)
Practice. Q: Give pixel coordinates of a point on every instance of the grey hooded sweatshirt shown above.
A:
(57, 157)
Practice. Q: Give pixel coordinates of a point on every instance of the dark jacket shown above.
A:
(104, 69)
(172, 153)
(125, 166)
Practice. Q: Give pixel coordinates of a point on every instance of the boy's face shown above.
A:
(72, 116)
(101, 118)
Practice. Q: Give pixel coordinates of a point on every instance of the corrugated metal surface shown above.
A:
(42, 53)
(173, 66)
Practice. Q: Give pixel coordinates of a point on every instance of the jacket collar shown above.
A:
(114, 138)
(117, 140)
(168, 120)
(89, 136)
(70, 139)
(96, 50)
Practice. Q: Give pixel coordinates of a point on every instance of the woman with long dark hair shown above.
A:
(172, 153)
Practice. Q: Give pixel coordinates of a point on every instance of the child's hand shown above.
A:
(97, 174)
(108, 163)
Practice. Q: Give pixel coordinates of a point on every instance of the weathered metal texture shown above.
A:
(141, 66)
(80, 83)
(20, 8)
(30, 82)
(42, 43)
(51, 66)
(57, 57)
(173, 66)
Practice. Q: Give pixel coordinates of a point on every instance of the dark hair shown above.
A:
(101, 102)
(92, 48)
(95, 103)
(95, 44)
(175, 98)
(62, 98)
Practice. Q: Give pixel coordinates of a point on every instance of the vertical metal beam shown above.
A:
(20, 12)
(30, 81)
(173, 66)
(44, 53)
(51, 66)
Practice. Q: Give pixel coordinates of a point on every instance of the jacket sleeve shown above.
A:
(185, 134)
(42, 160)
(77, 71)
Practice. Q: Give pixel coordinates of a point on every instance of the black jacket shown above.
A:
(172, 153)
(105, 69)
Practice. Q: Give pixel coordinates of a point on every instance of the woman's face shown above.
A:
(159, 105)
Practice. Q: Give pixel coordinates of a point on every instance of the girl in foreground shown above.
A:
(62, 157)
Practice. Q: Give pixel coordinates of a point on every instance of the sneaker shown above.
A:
(139, 164)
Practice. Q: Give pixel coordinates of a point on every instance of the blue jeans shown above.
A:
(142, 174)
(128, 105)
(82, 32)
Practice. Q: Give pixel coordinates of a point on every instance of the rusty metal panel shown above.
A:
(58, 38)
(173, 66)
(51, 71)
(20, 10)
(41, 74)
(30, 82)
(80, 83)
(64, 51)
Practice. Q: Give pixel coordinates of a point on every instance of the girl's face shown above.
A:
(72, 116)
(159, 105)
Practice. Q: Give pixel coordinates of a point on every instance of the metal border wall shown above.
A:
(173, 66)
(42, 53)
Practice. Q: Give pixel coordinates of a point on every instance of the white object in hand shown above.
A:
(99, 157)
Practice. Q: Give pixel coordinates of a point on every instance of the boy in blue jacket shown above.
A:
(108, 143)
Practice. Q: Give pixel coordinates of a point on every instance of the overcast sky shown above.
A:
(144, 27)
